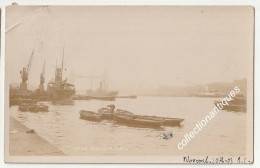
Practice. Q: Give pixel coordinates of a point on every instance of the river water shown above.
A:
(224, 135)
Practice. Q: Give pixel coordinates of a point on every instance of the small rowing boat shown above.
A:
(89, 115)
(33, 108)
(127, 118)
(105, 114)
(166, 121)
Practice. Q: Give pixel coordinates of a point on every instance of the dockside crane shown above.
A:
(42, 79)
(25, 74)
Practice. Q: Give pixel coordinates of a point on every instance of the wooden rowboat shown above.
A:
(33, 108)
(105, 114)
(132, 120)
(89, 115)
(166, 121)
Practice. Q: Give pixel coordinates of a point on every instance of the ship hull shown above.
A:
(101, 94)
(61, 97)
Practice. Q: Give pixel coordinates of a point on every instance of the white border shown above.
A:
(255, 3)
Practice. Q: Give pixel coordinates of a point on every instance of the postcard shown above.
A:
(129, 84)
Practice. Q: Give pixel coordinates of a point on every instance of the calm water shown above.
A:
(62, 127)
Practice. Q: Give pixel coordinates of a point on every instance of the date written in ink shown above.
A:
(217, 160)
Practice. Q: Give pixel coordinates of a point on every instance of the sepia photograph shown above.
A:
(129, 84)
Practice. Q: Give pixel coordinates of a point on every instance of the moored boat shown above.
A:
(105, 114)
(102, 93)
(123, 112)
(235, 108)
(59, 91)
(89, 115)
(43, 108)
(129, 119)
(166, 121)
(81, 97)
(33, 108)
(236, 104)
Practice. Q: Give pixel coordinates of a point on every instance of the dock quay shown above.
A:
(25, 142)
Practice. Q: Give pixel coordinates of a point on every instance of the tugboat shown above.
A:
(59, 91)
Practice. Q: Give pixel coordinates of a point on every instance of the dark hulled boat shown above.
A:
(107, 113)
(102, 114)
(89, 115)
(166, 120)
(130, 119)
(238, 104)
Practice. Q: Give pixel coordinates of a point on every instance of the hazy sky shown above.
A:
(137, 46)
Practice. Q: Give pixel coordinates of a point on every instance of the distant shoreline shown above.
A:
(181, 96)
